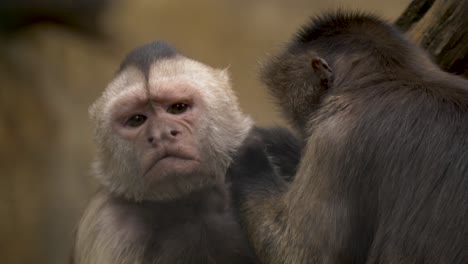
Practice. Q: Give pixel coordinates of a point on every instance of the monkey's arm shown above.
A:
(252, 168)
(257, 189)
(280, 217)
(283, 148)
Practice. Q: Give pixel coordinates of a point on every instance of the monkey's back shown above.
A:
(406, 147)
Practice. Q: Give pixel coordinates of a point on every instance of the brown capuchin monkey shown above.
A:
(384, 173)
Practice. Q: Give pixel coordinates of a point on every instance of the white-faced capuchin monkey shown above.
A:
(384, 172)
(166, 128)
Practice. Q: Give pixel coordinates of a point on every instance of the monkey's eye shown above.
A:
(136, 120)
(178, 108)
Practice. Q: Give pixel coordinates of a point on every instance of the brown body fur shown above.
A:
(384, 175)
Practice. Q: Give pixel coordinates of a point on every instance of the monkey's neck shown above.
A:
(212, 199)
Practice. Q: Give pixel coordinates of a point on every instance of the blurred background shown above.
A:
(56, 57)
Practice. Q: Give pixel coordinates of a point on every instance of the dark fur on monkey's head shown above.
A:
(332, 49)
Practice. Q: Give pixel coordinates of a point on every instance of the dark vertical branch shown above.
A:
(441, 28)
(413, 13)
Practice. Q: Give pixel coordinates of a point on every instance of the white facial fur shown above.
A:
(218, 128)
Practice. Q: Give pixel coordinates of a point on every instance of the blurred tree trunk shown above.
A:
(33, 150)
(27, 129)
(441, 28)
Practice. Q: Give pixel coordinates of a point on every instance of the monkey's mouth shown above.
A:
(171, 162)
(174, 155)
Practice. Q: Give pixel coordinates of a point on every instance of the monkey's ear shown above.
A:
(323, 72)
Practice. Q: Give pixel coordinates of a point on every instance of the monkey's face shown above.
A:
(161, 125)
(165, 135)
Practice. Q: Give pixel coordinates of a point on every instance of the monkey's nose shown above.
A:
(157, 136)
